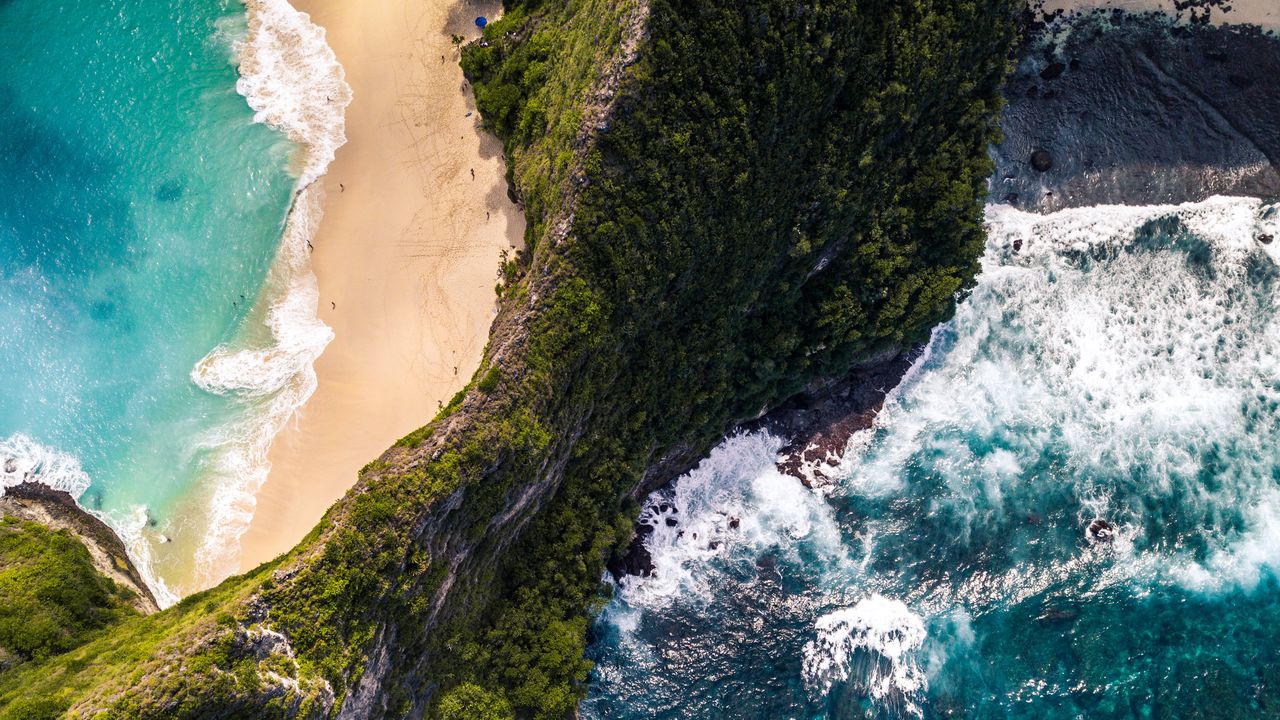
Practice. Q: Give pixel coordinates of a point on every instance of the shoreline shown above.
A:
(406, 257)
(1264, 13)
(291, 79)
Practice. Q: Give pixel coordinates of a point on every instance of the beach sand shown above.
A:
(1252, 12)
(407, 255)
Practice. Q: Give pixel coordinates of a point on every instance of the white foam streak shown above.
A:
(1135, 364)
(1115, 364)
(22, 459)
(293, 81)
(887, 634)
(735, 503)
(131, 529)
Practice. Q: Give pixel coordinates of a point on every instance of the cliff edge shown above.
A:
(57, 510)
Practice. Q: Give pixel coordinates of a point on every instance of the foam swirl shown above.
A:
(294, 83)
(22, 459)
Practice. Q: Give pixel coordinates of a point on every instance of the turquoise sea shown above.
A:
(141, 212)
(1070, 508)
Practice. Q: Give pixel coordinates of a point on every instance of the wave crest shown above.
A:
(22, 459)
(293, 81)
(870, 645)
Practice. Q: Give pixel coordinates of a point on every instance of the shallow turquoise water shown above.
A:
(1123, 365)
(140, 209)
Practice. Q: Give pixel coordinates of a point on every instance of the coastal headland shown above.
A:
(416, 221)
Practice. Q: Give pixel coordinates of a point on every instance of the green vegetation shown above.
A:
(783, 191)
(533, 76)
(51, 597)
(472, 702)
(726, 202)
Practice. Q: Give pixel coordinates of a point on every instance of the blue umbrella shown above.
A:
(481, 21)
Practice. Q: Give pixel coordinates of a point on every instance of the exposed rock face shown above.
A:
(1137, 110)
(636, 559)
(58, 510)
(817, 423)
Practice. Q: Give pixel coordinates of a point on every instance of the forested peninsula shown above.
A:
(727, 203)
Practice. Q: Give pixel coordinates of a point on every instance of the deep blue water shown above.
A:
(140, 210)
(1124, 366)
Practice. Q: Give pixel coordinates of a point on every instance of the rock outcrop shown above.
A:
(57, 510)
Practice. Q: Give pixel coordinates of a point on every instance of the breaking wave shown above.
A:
(294, 82)
(1078, 471)
(871, 644)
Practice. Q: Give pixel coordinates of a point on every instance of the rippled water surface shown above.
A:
(140, 210)
(1119, 370)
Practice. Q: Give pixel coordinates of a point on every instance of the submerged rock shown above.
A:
(1053, 71)
(1054, 615)
(1101, 531)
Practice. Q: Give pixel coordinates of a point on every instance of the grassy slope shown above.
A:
(781, 190)
(51, 597)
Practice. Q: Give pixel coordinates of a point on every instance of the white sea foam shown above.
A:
(872, 646)
(22, 459)
(1120, 364)
(736, 501)
(131, 527)
(293, 81)
(1131, 364)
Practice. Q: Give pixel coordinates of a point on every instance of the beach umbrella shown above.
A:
(481, 22)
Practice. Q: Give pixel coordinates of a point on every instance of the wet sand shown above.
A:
(407, 255)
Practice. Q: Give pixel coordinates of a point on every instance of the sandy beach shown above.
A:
(1254, 12)
(416, 219)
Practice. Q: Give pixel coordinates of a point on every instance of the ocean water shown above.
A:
(1121, 365)
(156, 319)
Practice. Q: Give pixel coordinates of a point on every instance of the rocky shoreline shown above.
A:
(57, 510)
(817, 424)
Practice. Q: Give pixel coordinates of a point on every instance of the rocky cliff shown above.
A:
(58, 511)
(1109, 107)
